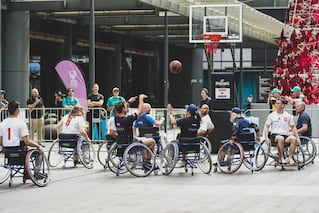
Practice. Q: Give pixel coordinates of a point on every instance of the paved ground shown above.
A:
(96, 190)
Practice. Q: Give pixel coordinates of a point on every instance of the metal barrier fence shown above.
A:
(96, 121)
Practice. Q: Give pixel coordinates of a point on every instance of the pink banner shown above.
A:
(72, 77)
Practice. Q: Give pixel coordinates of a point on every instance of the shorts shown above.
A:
(273, 136)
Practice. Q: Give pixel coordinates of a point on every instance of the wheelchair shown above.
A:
(192, 151)
(309, 148)
(103, 150)
(243, 150)
(128, 156)
(66, 146)
(272, 155)
(28, 164)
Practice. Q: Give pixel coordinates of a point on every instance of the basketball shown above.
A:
(175, 66)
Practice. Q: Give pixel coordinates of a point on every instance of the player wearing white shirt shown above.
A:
(280, 122)
(206, 124)
(13, 130)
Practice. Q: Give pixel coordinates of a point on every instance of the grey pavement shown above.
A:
(96, 190)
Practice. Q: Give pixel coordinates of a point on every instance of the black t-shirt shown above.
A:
(189, 127)
(125, 124)
(37, 112)
(97, 98)
(304, 118)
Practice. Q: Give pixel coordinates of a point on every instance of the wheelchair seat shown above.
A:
(68, 140)
(16, 154)
(189, 145)
(149, 132)
(247, 138)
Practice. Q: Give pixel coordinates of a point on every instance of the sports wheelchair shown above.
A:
(192, 151)
(131, 156)
(24, 162)
(245, 149)
(103, 150)
(67, 146)
(309, 148)
(272, 154)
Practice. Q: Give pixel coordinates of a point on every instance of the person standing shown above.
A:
(69, 101)
(3, 101)
(275, 95)
(95, 101)
(205, 98)
(297, 96)
(111, 101)
(36, 106)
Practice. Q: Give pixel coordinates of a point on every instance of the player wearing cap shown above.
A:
(111, 101)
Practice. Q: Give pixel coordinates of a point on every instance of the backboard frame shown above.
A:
(231, 13)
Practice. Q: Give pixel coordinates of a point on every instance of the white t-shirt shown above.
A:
(206, 123)
(72, 124)
(110, 125)
(280, 123)
(12, 130)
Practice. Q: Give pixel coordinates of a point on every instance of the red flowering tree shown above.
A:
(297, 62)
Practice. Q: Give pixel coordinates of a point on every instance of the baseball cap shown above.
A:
(191, 108)
(2, 91)
(296, 89)
(275, 90)
(236, 110)
(115, 89)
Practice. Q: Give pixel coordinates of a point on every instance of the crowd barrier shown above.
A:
(96, 121)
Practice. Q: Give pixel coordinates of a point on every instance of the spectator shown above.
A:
(113, 100)
(3, 101)
(36, 106)
(58, 102)
(205, 98)
(296, 96)
(303, 126)
(95, 100)
(275, 95)
(69, 101)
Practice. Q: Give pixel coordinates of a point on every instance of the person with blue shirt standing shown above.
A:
(111, 101)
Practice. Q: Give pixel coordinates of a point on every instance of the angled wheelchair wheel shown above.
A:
(207, 143)
(204, 161)
(260, 156)
(4, 172)
(309, 149)
(102, 154)
(299, 157)
(230, 157)
(37, 167)
(86, 153)
(54, 155)
(115, 161)
(169, 158)
(139, 160)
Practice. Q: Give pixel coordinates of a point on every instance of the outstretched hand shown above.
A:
(169, 108)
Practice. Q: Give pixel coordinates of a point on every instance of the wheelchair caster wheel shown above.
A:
(186, 170)
(63, 167)
(10, 183)
(215, 169)
(192, 173)
(155, 173)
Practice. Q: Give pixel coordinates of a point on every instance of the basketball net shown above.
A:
(211, 42)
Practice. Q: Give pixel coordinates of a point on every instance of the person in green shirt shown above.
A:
(69, 101)
(111, 101)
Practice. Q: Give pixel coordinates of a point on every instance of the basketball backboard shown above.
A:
(225, 19)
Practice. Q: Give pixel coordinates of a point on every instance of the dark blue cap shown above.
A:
(191, 108)
(236, 110)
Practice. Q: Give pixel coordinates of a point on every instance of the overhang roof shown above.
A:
(256, 25)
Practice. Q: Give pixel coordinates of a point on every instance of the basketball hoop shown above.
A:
(211, 42)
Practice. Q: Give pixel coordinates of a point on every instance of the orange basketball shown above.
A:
(175, 66)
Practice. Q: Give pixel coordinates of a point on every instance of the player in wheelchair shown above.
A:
(241, 147)
(277, 131)
(188, 148)
(129, 153)
(15, 157)
(72, 142)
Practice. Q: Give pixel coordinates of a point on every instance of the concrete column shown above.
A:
(196, 74)
(15, 70)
